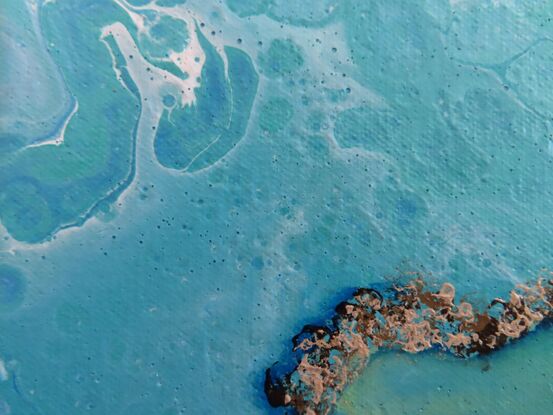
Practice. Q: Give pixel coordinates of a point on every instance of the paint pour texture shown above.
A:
(410, 318)
(186, 184)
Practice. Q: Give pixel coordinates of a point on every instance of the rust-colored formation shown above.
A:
(412, 318)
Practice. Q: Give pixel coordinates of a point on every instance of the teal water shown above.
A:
(185, 184)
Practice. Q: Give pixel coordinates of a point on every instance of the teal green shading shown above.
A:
(248, 8)
(283, 58)
(376, 130)
(169, 100)
(301, 13)
(527, 77)
(12, 288)
(32, 103)
(512, 381)
(275, 115)
(449, 172)
(10, 142)
(167, 34)
(170, 33)
(47, 188)
(120, 64)
(167, 66)
(452, 114)
(304, 13)
(139, 2)
(316, 121)
(181, 135)
(25, 210)
(198, 135)
(243, 84)
(169, 3)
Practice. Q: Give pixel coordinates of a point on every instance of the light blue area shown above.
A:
(248, 8)
(327, 150)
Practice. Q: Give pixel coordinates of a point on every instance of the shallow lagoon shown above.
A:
(381, 138)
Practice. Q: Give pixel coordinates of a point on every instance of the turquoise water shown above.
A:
(185, 184)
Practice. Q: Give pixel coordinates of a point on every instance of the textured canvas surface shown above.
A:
(186, 184)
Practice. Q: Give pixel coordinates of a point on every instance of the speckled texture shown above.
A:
(169, 218)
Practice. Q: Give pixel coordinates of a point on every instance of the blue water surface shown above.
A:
(157, 259)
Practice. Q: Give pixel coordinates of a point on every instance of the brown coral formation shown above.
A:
(412, 318)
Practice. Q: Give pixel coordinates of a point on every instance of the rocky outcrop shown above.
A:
(411, 317)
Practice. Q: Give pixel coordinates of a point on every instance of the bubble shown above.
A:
(169, 100)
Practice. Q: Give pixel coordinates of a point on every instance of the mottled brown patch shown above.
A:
(410, 318)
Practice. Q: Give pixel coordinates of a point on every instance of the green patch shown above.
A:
(25, 212)
(48, 187)
(12, 288)
(248, 8)
(166, 34)
(169, 3)
(275, 115)
(283, 58)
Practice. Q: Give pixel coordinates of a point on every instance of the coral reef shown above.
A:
(410, 317)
